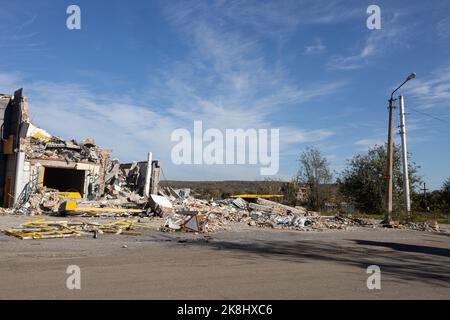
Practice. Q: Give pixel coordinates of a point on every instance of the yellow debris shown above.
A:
(72, 206)
(254, 196)
(69, 195)
(44, 229)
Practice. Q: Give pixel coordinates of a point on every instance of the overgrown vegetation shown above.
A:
(315, 173)
(363, 181)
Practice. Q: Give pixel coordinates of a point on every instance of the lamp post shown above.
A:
(390, 155)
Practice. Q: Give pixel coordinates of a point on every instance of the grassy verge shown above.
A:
(416, 217)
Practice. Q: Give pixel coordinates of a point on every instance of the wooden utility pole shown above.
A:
(390, 155)
(424, 189)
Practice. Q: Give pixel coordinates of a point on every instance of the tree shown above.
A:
(445, 195)
(314, 172)
(363, 181)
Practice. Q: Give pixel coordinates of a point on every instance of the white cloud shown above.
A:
(430, 91)
(296, 136)
(364, 144)
(316, 47)
(375, 44)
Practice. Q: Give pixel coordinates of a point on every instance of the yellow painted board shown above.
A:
(41, 179)
(69, 195)
(254, 196)
(91, 209)
(71, 205)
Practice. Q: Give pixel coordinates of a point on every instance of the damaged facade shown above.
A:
(32, 160)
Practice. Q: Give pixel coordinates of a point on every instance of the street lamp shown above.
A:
(390, 154)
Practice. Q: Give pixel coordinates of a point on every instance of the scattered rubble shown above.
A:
(424, 226)
(221, 214)
(192, 215)
(43, 200)
(179, 212)
(160, 205)
(43, 229)
(46, 147)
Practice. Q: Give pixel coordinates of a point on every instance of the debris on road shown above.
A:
(43, 229)
(160, 205)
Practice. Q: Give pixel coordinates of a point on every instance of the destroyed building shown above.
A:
(33, 160)
(44, 174)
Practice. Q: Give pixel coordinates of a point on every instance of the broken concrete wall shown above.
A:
(15, 113)
(27, 150)
(155, 173)
(32, 159)
(132, 176)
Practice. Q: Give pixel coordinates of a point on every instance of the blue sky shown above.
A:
(137, 70)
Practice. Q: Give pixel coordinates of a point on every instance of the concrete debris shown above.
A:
(280, 208)
(220, 215)
(424, 226)
(240, 203)
(189, 215)
(44, 200)
(160, 205)
(5, 211)
(56, 149)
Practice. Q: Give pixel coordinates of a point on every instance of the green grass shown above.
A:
(367, 216)
(422, 217)
(416, 217)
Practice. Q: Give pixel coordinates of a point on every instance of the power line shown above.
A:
(164, 176)
(430, 115)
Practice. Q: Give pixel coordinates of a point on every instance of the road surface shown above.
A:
(250, 263)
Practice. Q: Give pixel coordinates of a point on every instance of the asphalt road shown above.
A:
(243, 264)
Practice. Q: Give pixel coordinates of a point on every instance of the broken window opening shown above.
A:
(65, 180)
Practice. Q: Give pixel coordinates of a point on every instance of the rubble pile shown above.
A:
(54, 148)
(125, 183)
(43, 200)
(222, 214)
(213, 216)
(180, 212)
(424, 226)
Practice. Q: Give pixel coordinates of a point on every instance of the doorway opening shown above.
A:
(64, 180)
